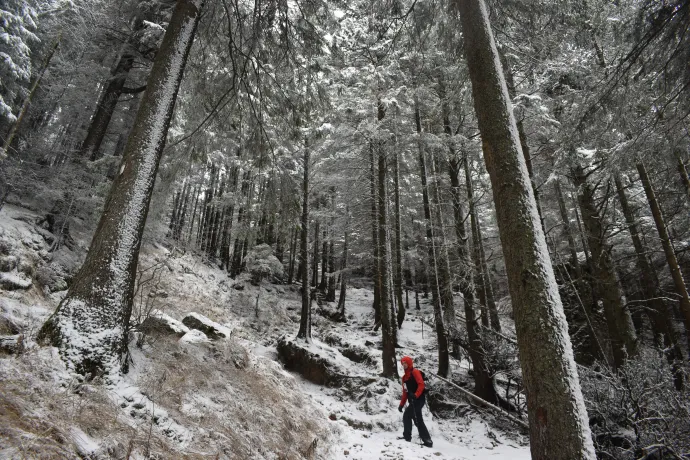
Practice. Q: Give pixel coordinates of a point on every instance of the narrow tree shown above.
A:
(659, 314)
(559, 426)
(604, 278)
(432, 272)
(90, 325)
(671, 259)
(305, 318)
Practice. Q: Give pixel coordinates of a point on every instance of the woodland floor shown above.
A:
(196, 398)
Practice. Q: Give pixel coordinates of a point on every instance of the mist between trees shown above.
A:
(522, 164)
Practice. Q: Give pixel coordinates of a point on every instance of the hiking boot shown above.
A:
(406, 439)
(428, 443)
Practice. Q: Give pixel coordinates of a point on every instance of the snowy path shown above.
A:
(377, 422)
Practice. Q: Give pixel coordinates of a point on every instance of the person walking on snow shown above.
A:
(413, 390)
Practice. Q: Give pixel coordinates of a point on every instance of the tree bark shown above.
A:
(604, 279)
(670, 253)
(90, 325)
(397, 242)
(559, 427)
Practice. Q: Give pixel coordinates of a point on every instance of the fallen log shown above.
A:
(486, 404)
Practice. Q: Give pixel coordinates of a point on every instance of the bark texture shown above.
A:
(559, 427)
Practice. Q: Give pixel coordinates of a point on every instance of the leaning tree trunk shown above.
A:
(559, 426)
(618, 318)
(659, 314)
(671, 259)
(305, 318)
(90, 325)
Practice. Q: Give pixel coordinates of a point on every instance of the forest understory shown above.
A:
(224, 222)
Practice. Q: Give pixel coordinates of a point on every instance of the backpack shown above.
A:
(426, 386)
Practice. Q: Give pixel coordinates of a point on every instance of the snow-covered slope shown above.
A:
(192, 397)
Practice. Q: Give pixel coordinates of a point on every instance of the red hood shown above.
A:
(408, 360)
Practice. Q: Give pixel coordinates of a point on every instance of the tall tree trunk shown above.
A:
(567, 229)
(397, 242)
(110, 95)
(442, 338)
(330, 294)
(305, 318)
(390, 368)
(315, 268)
(323, 285)
(343, 267)
(595, 332)
(293, 248)
(659, 314)
(197, 193)
(91, 323)
(604, 279)
(484, 288)
(559, 427)
(374, 235)
(510, 84)
(671, 259)
(483, 381)
(683, 171)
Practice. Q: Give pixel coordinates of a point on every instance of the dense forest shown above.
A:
(519, 166)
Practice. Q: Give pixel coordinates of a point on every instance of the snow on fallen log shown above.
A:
(213, 330)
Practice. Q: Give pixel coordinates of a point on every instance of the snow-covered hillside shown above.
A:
(190, 396)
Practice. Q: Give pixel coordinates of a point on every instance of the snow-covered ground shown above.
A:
(192, 397)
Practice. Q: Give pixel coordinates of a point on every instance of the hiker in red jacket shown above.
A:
(413, 390)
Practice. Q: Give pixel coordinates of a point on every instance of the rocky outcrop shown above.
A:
(162, 324)
(213, 330)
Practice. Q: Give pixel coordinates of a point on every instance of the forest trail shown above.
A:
(372, 424)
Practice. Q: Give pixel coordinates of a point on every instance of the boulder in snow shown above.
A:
(160, 323)
(213, 330)
(194, 336)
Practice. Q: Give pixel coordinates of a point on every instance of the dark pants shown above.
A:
(414, 411)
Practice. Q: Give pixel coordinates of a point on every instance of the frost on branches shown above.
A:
(17, 28)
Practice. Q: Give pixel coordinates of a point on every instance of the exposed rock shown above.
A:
(311, 366)
(7, 326)
(213, 330)
(160, 323)
(12, 344)
(8, 263)
(194, 336)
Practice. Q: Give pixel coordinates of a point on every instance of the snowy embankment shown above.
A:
(205, 379)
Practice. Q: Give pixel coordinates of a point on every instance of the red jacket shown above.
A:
(411, 372)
